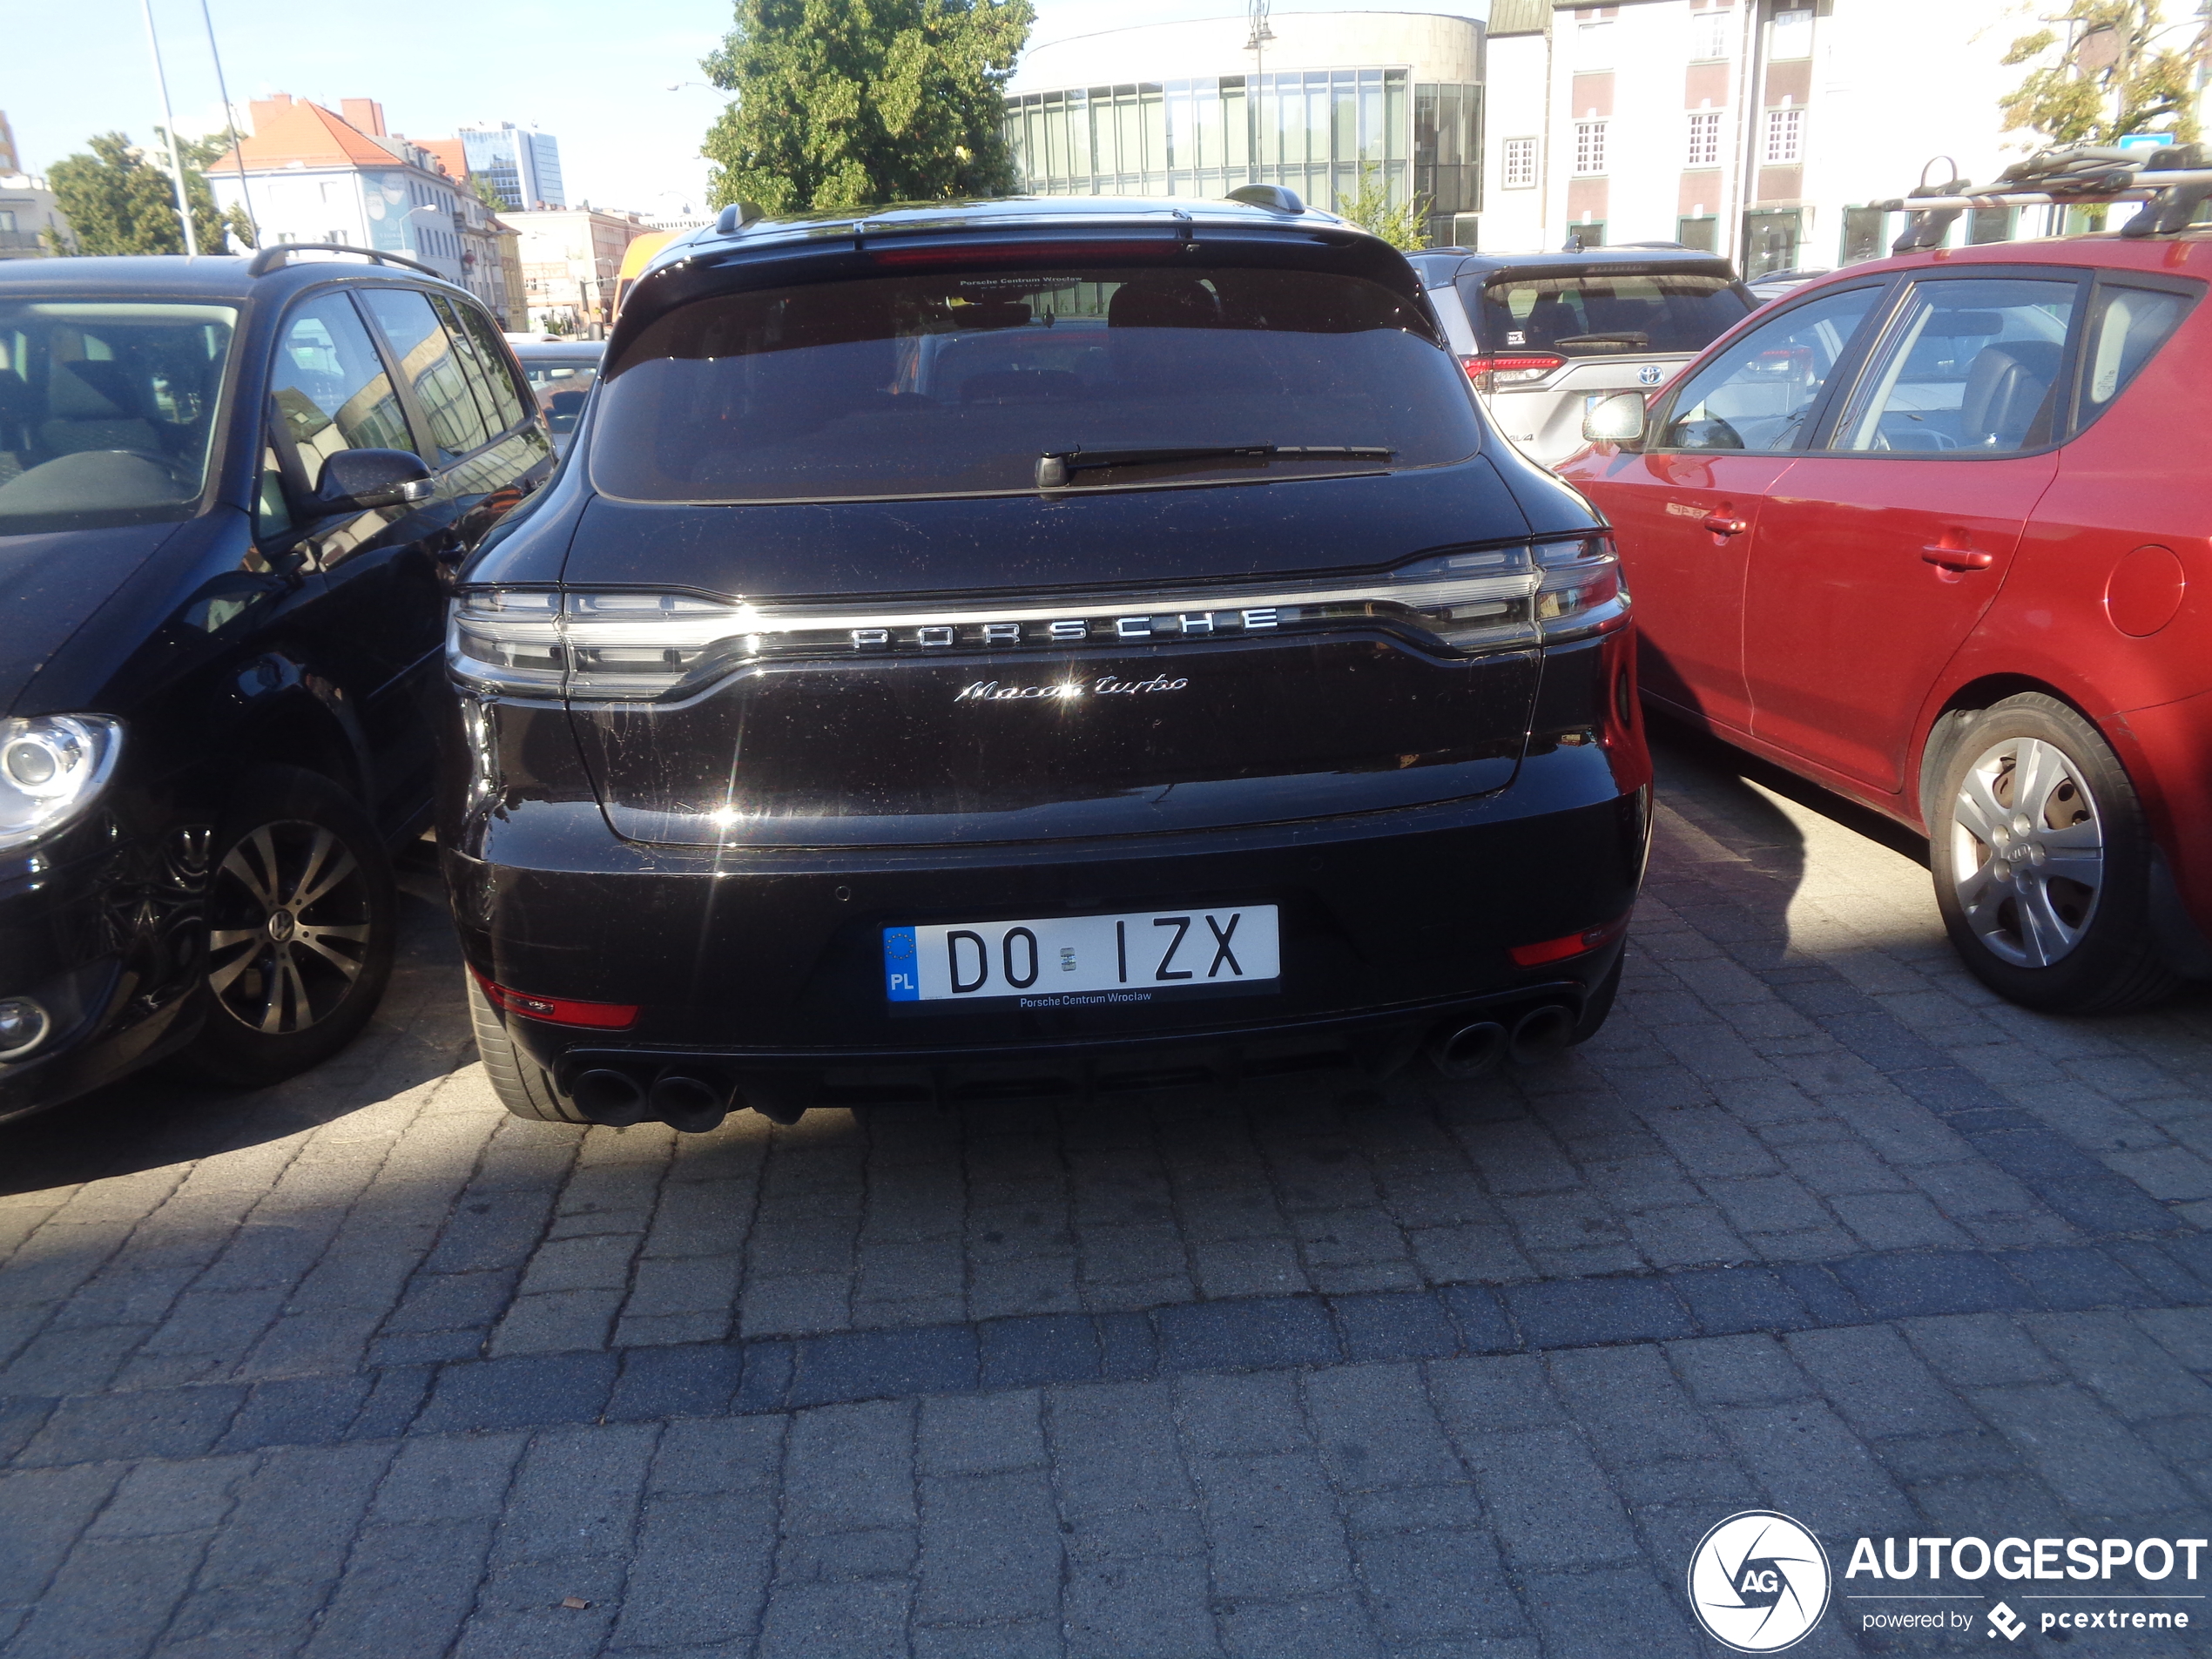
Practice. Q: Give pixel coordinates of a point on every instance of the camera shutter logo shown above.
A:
(1758, 1582)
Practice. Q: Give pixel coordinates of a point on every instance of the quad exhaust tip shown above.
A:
(608, 1097)
(1468, 1050)
(1542, 1033)
(689, 1104)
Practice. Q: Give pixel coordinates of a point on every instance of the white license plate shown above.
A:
(1085, 962)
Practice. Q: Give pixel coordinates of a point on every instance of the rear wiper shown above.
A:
(1055, 467)
(1623, 337)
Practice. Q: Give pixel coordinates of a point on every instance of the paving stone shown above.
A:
(162, 1422)
(1274, 1332)
(694, 1380)
(519, 1392)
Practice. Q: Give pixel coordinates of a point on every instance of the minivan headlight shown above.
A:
(51, 768)
(620, 646)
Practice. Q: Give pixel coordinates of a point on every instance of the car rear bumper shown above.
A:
(1392, 924)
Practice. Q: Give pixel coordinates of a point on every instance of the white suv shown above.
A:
(1543, 335)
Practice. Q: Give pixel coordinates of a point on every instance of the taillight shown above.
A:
(560, 1010)
(1496, 370)
(622, 647)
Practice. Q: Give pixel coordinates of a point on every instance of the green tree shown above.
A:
(2120, 68)
(118, 202)
(1403, 224)
(485, 192)
(855, 103)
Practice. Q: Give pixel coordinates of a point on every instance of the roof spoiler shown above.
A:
(1274, 197)
(2172, 182)
(272, 257)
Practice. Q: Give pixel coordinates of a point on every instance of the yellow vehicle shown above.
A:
(634, 257)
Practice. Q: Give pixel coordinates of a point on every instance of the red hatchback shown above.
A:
(1935, 533)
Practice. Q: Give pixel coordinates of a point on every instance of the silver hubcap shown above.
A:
(2026, 852)
(288, 928)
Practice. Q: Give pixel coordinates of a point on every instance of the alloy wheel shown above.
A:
(289, 926)
(2027, 854)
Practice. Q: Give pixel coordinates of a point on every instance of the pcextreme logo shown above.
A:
(1758, 1582)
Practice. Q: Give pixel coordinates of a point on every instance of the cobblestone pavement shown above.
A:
(360, 1366)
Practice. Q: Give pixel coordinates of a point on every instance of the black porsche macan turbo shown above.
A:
(1025, 647)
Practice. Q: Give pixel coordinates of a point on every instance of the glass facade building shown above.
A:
(523, 166)
(1317, 131)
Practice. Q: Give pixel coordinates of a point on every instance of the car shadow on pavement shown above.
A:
(164, 1115)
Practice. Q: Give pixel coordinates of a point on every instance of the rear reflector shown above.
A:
(1567, 945)
(560, 1010)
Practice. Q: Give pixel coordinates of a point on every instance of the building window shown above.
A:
(1784, 128)
(1703, 234)
(1704, 139)
(1864, 234)
(1990, 225)
(1594, 45)
(1589, 146)
(1791, 35)
(1589, 234)
(1711, 35)
(1517, 165)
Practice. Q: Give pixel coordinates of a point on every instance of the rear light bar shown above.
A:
(1568, 945)
(603, 646)
(1494, 369)
(1047, 252)
(560, 1010)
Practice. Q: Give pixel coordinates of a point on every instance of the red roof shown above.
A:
(288, 130)
(450, 151)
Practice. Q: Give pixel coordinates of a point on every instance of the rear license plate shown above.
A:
(1084, 961)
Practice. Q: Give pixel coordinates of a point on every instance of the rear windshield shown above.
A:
(560, 387)
(106, 410)
(957, 383)
(1594, 314)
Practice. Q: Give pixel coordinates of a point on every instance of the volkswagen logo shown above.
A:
(1648, 374)
(1758, 1582)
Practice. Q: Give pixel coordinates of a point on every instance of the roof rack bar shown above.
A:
(273, 256)
(2140, 191)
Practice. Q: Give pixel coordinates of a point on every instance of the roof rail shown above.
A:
(272, 257)
(736, 217)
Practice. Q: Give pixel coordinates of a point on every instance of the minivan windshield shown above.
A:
(959, 383)
(1598, 314)
(107, 410)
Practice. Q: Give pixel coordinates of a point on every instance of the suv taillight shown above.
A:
(622, 646)
(1497, 369)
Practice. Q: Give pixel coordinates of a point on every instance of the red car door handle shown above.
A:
(1958, 559)
(1722, 524)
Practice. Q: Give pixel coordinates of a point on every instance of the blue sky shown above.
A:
(595, 74)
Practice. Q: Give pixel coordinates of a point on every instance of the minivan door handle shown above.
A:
(1722, 524)
(1958, 559)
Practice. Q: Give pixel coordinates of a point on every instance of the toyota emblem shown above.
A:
(1648, 374)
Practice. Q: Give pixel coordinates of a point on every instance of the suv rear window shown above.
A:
(1596, 313)
(956, 383)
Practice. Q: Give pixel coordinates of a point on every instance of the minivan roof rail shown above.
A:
(2171, 180)
(272, 257)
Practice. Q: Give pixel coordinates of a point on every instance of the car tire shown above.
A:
(2042, 862)
(301, 920)
(523, 1087)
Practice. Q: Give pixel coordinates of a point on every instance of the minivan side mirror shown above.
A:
(356, 480)
(1616, 419)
